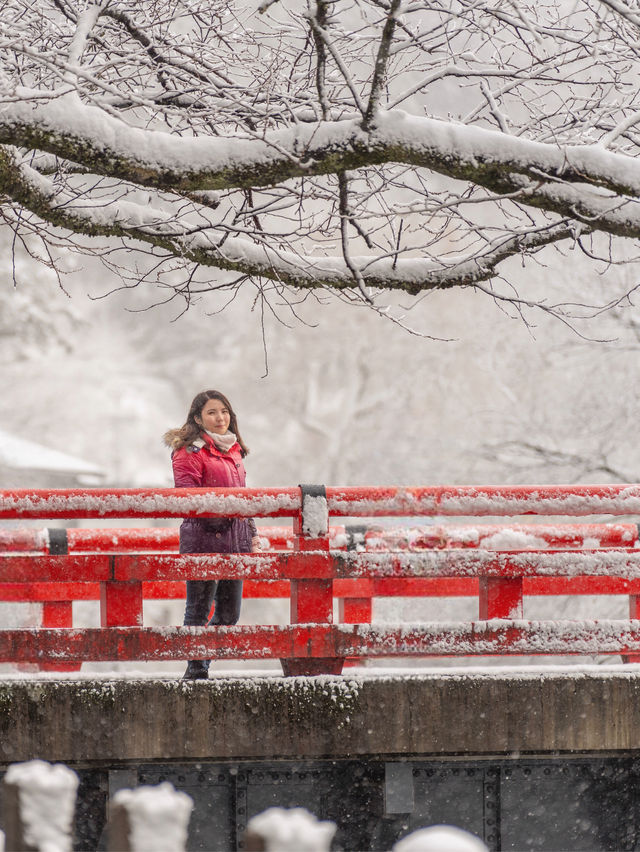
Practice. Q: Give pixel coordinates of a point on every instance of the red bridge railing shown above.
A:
(566, 558)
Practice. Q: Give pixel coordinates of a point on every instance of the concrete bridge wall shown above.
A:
(536, 760)
(80, 720)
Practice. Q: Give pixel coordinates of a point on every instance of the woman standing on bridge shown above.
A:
(207, 452)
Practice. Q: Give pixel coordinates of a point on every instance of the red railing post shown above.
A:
(500, 597)
(58, 614)
(357, 610)
(312, 600)
(120, 602)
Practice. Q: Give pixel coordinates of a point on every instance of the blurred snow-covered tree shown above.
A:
(34, 319)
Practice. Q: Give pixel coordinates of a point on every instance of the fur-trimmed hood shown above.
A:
(174, 441)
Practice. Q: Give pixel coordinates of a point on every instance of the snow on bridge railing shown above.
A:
(369, 501)
(429, 561)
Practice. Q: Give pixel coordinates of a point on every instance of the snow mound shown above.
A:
(158, 817)
(293, 830)
(47, 796)
(440, 838)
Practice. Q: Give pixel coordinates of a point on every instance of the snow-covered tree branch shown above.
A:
(357, 146)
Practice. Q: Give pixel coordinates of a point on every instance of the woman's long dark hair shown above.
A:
(187, 434)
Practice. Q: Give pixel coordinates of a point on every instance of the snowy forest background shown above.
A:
(349, 398)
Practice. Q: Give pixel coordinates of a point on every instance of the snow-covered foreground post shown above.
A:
(440, 838)
(294, 830)
(149, 819)
(38, 806)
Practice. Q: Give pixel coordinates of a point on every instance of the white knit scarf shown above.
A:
(222, 442)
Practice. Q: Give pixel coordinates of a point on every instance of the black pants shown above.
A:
(201, 594)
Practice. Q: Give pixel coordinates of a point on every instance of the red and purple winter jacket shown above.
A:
(203, 465)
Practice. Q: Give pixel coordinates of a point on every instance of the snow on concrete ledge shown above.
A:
(496, 711)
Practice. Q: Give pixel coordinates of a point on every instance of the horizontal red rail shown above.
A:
(611, 562)
(307, 641)
(496, 536)
(432, 536)
(488, 501)
(150, 503)
(430, 587)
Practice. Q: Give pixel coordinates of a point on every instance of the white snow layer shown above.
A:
(47, 795)
(158, 817)
(418, 136)
(162, 502)
(489, 501)
(315, 516)
(293, 830)
(514, 540)
(207, 160)
(440, 838)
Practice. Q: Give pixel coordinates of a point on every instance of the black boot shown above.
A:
(196, 670)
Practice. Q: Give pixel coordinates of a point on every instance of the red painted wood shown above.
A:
(259, 566)
(505, 500)
(57, 614)
(127, 539)
(355, 610)
(377, 587)
(41, 568)
(478, 563)
(120, 604)
(37, 592)
(579, 585)
(500, 598)
(321, 641)
(81, 540)
(490, 500)
(23, 539)
(609, 562)
(311, 601)
(149, 503)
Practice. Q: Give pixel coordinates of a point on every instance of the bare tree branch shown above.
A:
(150, 226)
(380, 68)
(267, 142)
